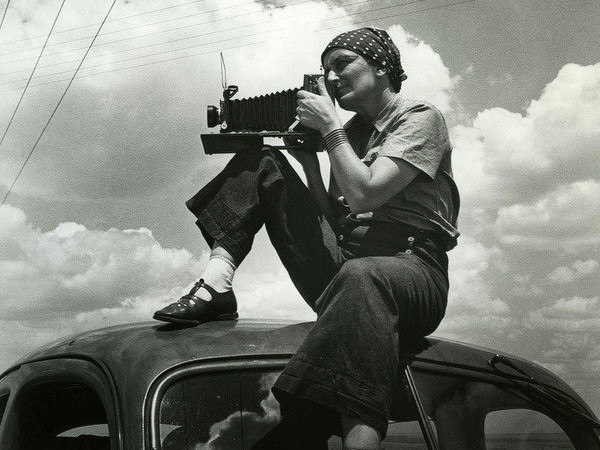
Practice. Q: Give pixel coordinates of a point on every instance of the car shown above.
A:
(161, 386)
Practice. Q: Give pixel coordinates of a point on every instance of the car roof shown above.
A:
(142, 351)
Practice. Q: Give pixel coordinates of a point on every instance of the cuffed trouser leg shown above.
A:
(350, 360)
(260, 187)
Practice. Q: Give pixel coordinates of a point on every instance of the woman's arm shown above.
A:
(365, 188)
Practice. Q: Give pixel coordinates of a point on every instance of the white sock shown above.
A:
(218, 274)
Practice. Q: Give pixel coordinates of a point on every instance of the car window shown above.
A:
(61, 415)
(524, 429)
(475, 414)
(233, 410)
(225, 410)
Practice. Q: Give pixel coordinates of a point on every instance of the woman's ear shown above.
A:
(381, 71)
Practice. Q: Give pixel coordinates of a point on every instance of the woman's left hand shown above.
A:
(317, 111)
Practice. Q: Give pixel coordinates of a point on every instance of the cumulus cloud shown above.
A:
(428, 76)
(566, 217)
(270, 294)
(72, 278)
(506, 157)
(568, 335)
(569, 315)
(72, 268)
(578, 269)
(474, 313)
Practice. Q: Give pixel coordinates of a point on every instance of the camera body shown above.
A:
(246, 122)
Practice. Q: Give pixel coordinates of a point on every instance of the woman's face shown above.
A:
(354, 80)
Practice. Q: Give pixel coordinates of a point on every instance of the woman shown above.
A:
(375, 271)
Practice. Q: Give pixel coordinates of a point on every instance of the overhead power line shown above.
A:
(171, 19)
(4, 14)
(153, 33)
(31, 75)
(221, 41)
(116, 19)
(211, 22)
(57, 105)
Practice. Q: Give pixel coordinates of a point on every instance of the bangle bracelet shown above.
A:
(335, 138)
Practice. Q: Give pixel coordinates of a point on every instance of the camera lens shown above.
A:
(212, 116)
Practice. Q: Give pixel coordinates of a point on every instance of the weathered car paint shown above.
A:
(138, 357)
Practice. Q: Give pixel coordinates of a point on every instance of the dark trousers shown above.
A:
(371, 293)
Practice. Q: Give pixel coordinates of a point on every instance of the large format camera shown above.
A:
(245, 122)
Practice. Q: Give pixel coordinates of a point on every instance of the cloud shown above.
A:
(428, 76)
(578, 269)
(474, 314)
(566, 217)
(507, 157)
(270, 294)
(567, 331)
(72, 268)
(72, 278)
(569, 315)
(134, 134)
(118, 136)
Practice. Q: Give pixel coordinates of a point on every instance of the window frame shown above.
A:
(499, 379)
(160, 386)
(70, 369)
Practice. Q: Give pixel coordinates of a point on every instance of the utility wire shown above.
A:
(367, 21)
(237, 46)
(204, 45)
(360, 2)
(116, 19)
(150, 24)
(32, 72)
(57, 105)
(157, 32)
(4, 13)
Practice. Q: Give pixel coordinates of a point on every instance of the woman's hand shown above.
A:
(317, 111)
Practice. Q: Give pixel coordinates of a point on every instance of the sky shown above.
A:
(95, 231)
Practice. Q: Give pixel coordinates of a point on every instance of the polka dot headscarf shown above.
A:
(375, 46)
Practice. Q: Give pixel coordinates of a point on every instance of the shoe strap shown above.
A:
(187, 299)
(197, 285)
(210, 290)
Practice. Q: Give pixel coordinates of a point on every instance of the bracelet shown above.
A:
(335, 138)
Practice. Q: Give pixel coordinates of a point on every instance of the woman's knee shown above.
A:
(360, 270)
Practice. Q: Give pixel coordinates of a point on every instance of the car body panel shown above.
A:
(135, 358)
